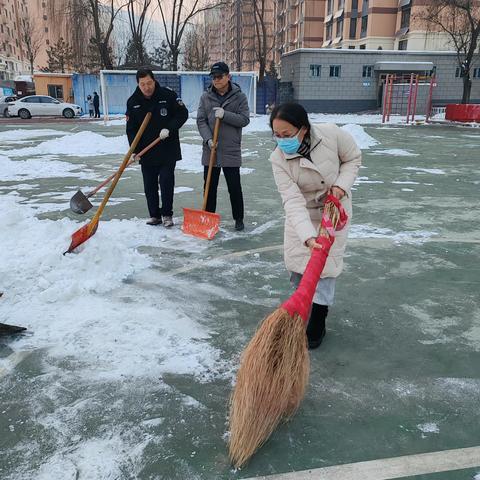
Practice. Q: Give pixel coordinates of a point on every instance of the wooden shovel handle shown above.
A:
(137, 157)
(213, 154)
(123, 166)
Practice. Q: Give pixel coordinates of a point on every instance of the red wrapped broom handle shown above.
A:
(301, 301)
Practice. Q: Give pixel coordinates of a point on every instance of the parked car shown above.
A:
(33, 105)
(4, 102)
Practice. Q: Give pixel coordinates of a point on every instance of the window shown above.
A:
(363, 32)
(405, 21)
(353, 28)
(329, 7)
(363, 47)
(367, 71)
(335, 71)
(55, 91)
(31, 100)
(329, 31)
(354, 4)
(402, 45)
(340, 27)
(365, 8)
(476, 73)
(351, 47)
(315, 70)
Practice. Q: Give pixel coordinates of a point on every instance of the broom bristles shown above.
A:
(271, 382)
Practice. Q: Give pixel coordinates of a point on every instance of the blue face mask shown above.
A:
(288, 145)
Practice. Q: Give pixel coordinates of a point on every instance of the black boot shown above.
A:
(316, 325)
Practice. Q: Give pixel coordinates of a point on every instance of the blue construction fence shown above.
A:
(119, 87)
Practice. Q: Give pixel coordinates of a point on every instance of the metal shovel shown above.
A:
(80, 202)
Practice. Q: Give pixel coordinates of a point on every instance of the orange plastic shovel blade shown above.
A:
(200, 223)
(82, 235)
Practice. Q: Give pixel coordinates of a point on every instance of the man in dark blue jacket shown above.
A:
(158, 165)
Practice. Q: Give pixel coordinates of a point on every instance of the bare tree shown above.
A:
(137, 19)
(176, 16)
(460, 19)
(32, 39)
(102, 14)
(263, 44)
(196, 50)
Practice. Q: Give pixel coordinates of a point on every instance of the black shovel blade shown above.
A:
(10, 329)
(79, 203)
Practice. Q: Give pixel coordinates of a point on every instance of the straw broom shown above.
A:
(275, 365)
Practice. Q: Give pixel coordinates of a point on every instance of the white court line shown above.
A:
(271, 248)
(389, 468)
(12, 361)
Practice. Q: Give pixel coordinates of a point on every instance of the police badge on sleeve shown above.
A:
(180, 102)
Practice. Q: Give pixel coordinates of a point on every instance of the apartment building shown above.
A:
(380, 25)
(59, 19)
(216, 30)
(298, 24)
(13, 60)
(239, 29)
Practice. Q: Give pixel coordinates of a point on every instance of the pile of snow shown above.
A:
(363, 139)
(44, 167)
(82, 144)
(72, 305)
(25, 134)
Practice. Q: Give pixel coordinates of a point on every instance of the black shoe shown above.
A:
(239, 226)
(313, 344)
(154, 221)
(316, 326)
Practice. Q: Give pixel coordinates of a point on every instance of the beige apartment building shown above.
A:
(299, 24)
(234, 34)
(379, 25)
(59, 19)
(13, 60)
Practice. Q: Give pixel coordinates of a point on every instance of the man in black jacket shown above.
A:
(96, 104)
(158, 164)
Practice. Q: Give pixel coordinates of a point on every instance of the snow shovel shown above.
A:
(88, 230)
(9, 329)
(200, 223)
(80, 202)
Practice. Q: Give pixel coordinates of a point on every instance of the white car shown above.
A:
(32, 105)
(4, 101)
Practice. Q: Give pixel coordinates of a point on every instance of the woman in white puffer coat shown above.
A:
(309, 162)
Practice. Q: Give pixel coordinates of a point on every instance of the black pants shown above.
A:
(97, 111)
(232, 176)
(153, 176)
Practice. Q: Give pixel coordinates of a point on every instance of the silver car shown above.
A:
(34, 105)
(4, 102)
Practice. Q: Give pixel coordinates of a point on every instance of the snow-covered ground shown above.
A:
(133, 342)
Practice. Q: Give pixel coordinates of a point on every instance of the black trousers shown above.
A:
(232, 176)
(159, 175)
(97, 111)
